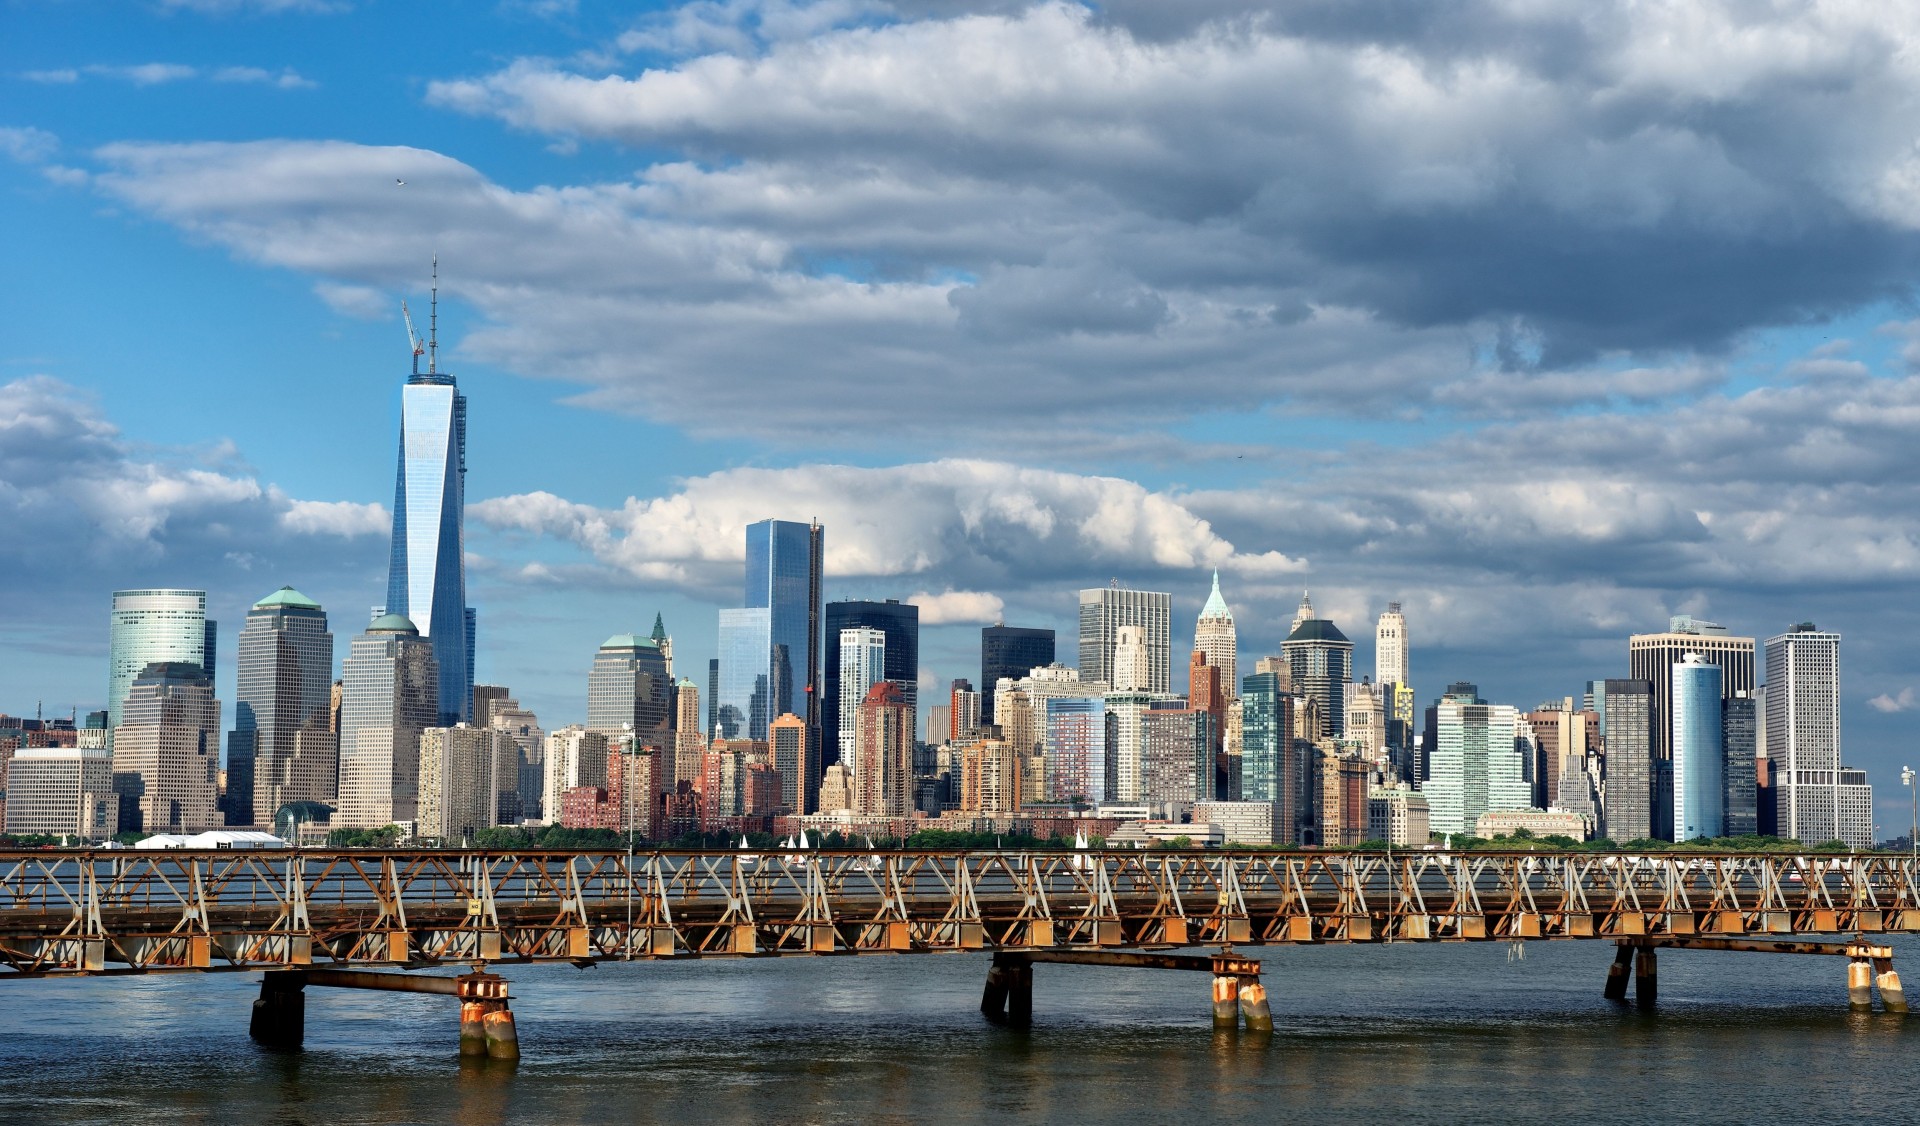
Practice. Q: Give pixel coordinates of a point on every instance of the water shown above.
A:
(1408, 1033)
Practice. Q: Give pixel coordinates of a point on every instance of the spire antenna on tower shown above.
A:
(433, 320)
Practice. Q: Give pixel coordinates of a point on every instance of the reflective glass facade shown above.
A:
(1699, 765)
(741, 699)
(1011, 652)
(899, 623)
(770, 648)
(426, 577)
(155, 625)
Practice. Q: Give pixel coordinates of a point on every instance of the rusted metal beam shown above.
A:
(1758, 945)
(369, 979)
(1150, 961)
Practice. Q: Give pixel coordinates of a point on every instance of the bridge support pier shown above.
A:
(1892, 997)
(1619, 972)
(280, 1012)
(1237, 993)
(1226, 1003)
(1008, 998)
(1646, 977)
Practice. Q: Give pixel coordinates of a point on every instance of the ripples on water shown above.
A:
(1404, 1033)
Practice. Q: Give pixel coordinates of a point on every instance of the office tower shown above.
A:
(799, 767)
(523, 727)
(427, 570)
(1629, 792)
(836, 789)
(1103, 610)
(883, 753)
(166, 751)
(1125, 741)
(687, 740)
(713, 698)
(1176, 768)
(1653, 656)
(1738, 727)
(1344, 791)
(485, 696)
(857, 660)
(1568, 740)
(150, 626)
(1479, 765)
(1129, 671)
(1266, 748)
(1365, 724)
(628, 689)
(940, 725)
(1398, 814)
(1699, 757)
(965, 706)
(61, 791)
(1398, 702)
(1320, 660)
(576, 756)
(469, 777)
(391, 694)
(770, 648)
(1818, 798)
(1215, 636)
(1009, 652)
(1076, 748)
(899, 623)
(662, 642)
(282, 749)
(1208, 692)
(1390, 647)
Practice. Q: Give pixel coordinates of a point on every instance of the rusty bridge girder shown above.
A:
(114, 911)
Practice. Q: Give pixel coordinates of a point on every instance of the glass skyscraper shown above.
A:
(1699, 764)
(390, 693)
(629, 688)
(281, 749)
(770, 648)
(155, 626)
(427, 575)
(899, 623)
(1011, 652)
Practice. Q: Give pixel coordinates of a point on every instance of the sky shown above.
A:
(1548, 320)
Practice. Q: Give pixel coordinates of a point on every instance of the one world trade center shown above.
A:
(427, 575)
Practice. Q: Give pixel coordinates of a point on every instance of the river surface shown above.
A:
(1403, 1033)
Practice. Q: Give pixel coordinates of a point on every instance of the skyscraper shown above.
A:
(629, 689)
(1010, 652)
(1479, 766)
(1653, 655)
(151, 626)
(166, 752)
(1738, 728)
(883, 749)
(1390, 647)
(899, 623)
(859, 665)
(427, 570)
(770, 647)
(1629, 793)
(1320, 659)
(688, 742)
(62, 791)
(1215, 636)
(799, 767)
(661, 641)
(1818, 798)
(281, 749)
(1103, 610)
(1076, 748)
(1699, 758)
(469, 780)
(1129, 671)
(1266, 745)
(575, 757)
(391, 694)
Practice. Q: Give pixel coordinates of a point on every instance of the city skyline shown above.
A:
(1376, 428)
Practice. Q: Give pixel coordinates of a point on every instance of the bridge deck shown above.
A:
(131, 911)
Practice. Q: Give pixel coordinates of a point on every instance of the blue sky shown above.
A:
(1546, 323)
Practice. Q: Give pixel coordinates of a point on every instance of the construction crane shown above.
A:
(413, 338)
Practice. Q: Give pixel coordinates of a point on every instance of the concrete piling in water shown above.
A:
(1892, 997)
(1226, 1003)
(1646, 977)
(1619, 972)
(503, 1040)
(993, 999)
(473, 1028)
(1020, 995)
(1253, 1007)
(1860, 986)
(280, 1012)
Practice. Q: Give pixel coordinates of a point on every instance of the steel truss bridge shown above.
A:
(308, 914)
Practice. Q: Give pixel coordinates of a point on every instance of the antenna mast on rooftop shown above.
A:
(433, 321)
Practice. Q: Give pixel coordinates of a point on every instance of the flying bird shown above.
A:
(399, 182)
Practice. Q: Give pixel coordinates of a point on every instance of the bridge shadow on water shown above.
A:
(1412, 1033)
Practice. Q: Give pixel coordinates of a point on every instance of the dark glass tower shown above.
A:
(1009, 651)
(427, 573)
(770, 648)
(900, 623)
